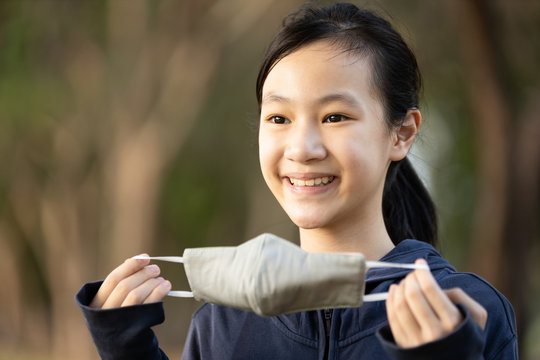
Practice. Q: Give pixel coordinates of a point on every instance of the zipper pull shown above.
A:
(327, 320)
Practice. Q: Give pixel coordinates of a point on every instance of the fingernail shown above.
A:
(153, 269)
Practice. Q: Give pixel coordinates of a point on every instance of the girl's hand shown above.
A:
(419, 311)
(133, 282)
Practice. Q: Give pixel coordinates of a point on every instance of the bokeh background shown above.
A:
(127, 126)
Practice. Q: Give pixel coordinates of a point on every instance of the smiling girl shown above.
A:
(339, 111)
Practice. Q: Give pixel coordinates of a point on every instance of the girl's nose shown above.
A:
(305, 143)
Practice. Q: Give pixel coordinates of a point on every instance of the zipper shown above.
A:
(327, 327)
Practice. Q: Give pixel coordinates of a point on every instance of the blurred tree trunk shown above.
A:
(134, 102)
(508, 159)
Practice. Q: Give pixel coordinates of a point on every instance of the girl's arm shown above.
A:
(120, 311)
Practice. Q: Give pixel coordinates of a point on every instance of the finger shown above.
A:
(127, 268)
(400, 335)
(477, 311)
(445, 310)
(423, 313)
(159, 292)
(406, 318)
(125, 286)
(141, 293)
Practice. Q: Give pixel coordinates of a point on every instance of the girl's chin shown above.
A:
(310, 215)
(309, 222)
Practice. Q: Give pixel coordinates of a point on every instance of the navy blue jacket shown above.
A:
(219, 332)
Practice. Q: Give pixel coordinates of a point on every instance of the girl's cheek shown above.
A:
(269, 146)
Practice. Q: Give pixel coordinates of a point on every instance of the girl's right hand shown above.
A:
(133, 282)
(419, 311)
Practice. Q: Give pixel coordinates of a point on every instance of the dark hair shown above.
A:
(408, 210)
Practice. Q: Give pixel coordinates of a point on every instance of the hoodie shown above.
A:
(219, 332)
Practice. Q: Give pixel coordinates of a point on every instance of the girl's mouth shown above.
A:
(320, 181)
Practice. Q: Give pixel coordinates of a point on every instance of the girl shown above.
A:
(338, 96)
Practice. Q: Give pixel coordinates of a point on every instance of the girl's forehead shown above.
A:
(330, 52)
(320, 66)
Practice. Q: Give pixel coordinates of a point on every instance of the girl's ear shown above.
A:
(403, 137)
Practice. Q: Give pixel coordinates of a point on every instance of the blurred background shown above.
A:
(127, 126)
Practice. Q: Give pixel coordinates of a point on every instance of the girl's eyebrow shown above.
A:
(270, 98)
(342, 97)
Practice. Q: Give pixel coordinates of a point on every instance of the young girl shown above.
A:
(338, 95)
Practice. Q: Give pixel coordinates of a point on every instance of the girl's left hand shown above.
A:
(419, 311)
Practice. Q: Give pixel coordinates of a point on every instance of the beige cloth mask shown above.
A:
(271, 276)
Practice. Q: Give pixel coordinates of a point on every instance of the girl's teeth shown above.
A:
(312, 182)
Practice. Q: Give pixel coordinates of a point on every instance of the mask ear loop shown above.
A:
(174, 259)
(369, 264)
(382, 264)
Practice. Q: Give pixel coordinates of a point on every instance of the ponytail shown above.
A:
(408, 211)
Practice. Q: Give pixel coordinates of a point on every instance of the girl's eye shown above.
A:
(276, 119)
(334, 118)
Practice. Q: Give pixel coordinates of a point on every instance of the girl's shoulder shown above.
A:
(479, 289)
(501, 332)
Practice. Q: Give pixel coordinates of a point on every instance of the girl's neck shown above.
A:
(369, 238)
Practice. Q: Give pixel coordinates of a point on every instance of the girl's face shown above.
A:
(324, 147)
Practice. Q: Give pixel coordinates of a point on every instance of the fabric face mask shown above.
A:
(272, 276)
